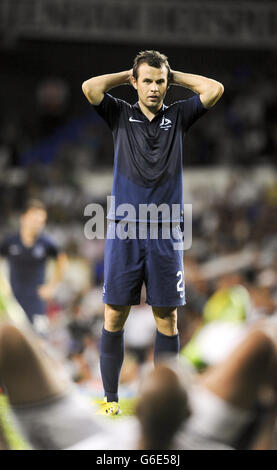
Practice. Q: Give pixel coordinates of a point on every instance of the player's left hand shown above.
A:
(46, 291)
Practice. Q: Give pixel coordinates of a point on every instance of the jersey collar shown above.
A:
(137, 107)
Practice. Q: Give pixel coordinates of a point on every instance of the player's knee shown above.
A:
(120, 310)
(172, 328)
(172, 320)
(166, 320)
(165, 313)
(115, 317)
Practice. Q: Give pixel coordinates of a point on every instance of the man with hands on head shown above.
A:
(148, 146)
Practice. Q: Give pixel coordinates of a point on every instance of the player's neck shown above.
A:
(150, 113)
(28, 237)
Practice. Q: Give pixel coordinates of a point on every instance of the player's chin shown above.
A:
(154, 104)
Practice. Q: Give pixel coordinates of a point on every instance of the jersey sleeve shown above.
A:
(52, 248)
(4, 247)
(191, 110)
(109, 110)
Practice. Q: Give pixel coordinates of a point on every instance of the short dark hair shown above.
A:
(162, 408)
(33, 204)
(152, 58)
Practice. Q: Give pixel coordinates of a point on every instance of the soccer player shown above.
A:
(147, 170)
(27, 252)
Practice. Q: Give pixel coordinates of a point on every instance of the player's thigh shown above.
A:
(165, 273)
(123, 269)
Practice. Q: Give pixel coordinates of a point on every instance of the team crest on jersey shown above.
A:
(39, 251)
(166, 124)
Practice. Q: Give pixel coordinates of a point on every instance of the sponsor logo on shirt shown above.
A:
(166, 124)
(131, 119)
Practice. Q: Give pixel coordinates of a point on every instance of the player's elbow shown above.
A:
(216, 92)
(95, 96)
(212, 95)
(220, 89)
(87, 92)
(85, 89)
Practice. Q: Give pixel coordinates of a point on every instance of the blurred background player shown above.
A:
(27, 252)
(147, 169)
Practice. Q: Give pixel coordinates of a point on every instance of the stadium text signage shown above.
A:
(249, 24)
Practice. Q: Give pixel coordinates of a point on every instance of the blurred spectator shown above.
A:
(226, 407)
(52, 100)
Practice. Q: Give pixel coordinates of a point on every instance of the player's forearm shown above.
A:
(95, 87)
(60, 268)
(209, 90)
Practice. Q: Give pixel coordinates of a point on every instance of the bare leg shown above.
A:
(166, 320)
(26, 371)
(116, 316)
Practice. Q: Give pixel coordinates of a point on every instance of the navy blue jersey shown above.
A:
(27, 269)
(148, 154)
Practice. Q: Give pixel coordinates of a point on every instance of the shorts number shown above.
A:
(180, 288)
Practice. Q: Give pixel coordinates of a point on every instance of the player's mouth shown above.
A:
(153, 97)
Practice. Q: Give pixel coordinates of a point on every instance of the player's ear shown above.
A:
(134, 82)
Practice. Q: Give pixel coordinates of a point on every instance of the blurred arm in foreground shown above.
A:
(222, 401)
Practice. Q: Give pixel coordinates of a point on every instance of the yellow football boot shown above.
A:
(110, 408)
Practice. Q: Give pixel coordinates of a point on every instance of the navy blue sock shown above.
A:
(165, 345)
(111, 359)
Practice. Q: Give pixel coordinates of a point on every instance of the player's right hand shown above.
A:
(46, 291)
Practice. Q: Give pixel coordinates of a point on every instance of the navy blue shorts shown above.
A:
(131, 261)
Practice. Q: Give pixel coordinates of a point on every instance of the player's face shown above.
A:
(151, 85)
(35, 220)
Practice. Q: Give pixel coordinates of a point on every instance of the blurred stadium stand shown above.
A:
(247, 23)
